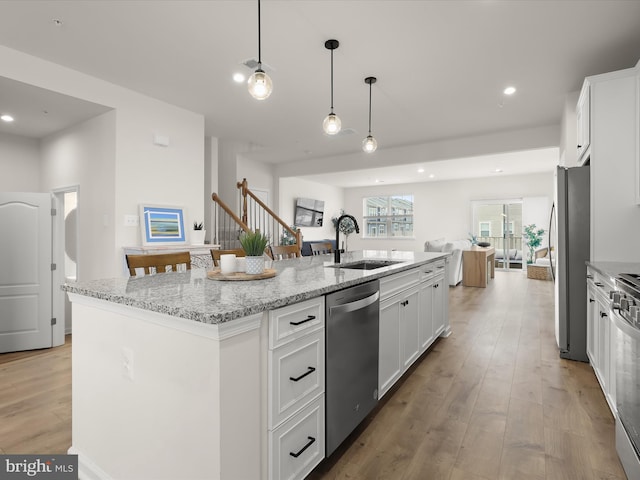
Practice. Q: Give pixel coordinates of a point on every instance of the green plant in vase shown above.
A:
(254, 244)
(533, 237)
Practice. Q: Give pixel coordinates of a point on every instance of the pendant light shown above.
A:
(332, 123)
(259, 83)
(369, 144)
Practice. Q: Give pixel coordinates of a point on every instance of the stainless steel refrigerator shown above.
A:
(573, 250)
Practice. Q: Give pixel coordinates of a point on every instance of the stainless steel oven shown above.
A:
(626, 316)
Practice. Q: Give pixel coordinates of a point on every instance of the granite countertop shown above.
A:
(191, 295)
(612, 269)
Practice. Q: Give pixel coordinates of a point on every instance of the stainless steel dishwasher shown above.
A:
(351, 359)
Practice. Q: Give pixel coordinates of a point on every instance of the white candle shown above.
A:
(241, 264)
(227, 263)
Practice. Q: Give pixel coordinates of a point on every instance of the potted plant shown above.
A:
(253, 244)
(533, 237)
(198, 234)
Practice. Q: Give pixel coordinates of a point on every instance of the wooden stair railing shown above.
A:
(257, 215)
(228, 226)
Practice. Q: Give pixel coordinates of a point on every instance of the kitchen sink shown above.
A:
(366, 264)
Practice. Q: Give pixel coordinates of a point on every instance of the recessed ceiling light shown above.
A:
(431, 175)
(379, 181)
(6, 118)
(238, 77)
(498, 170)
(421, 170)
(509, 90)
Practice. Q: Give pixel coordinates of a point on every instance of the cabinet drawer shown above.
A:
(431, 269)
(397, 283)
(297, 446)
(293, 321)
(297, 375)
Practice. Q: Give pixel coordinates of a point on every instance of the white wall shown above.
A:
(443, 209)
(84, 155)
(143, 172)
(210, 183)
(19, 164)
(333, 197)
(259, 176)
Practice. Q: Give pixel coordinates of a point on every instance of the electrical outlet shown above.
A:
(127, 363)
(131, 221)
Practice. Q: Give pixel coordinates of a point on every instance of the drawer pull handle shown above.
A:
(429, 271)
(598, 284)
(405, 303)
(440, 266)
(591, 300)
(298, 453)
(602, 315)
(308, 372)
(436, 285)
(308, 319)
(589, 276)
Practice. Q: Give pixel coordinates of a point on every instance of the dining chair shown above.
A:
(282, 252)
(158, 263)
(321, 248)
(215, 254)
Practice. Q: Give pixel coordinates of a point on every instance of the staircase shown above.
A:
(253, 215)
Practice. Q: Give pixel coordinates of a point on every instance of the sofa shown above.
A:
(455, 264)
(514, 257)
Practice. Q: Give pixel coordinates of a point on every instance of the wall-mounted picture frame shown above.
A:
(162, 225)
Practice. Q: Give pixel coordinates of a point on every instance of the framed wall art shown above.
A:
(162, 225)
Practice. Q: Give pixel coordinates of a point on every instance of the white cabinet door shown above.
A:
(439, 295)
(409, 328)
(426, 315)
(583, 119)
(591, 316)
(389, 365)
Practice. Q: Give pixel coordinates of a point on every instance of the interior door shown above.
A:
(25, 276)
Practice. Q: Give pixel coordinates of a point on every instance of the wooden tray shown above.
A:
(239, 276)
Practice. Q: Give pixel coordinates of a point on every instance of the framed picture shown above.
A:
(162, 225)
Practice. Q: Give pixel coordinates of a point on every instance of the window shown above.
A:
(509, 226)
(388, 216)
(485, 229)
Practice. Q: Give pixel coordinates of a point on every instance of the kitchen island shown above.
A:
(173, 374)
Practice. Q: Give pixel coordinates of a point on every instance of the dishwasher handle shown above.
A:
(357, 305)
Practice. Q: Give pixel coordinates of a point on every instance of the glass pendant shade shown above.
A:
(259, 84)
(369, 144)
(331, 124)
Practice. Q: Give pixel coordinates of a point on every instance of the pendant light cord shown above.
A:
(331, 80)
(259, 36)
(369, 108)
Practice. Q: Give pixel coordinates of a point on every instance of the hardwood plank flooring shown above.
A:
(492, 401)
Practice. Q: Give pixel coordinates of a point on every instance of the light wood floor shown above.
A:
(492, 401)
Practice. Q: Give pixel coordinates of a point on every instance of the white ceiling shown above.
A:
(441, 65)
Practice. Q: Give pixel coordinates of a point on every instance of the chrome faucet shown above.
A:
(336, 254)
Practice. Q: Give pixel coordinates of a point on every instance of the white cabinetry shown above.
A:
(613, 156)
(296, 380)
(433, 290)
(583, 127)
(399, 337)
(601, 348)
(413, 313)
